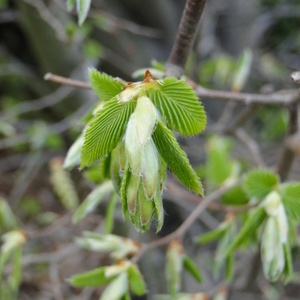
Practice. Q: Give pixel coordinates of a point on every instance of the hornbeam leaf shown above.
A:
(106, 130)
(176, 158)
(136, 281)
(116, 289)
(179, 105)
(105, 86)
(192, 268)
(259, 183)
(248, 228)
(291, 199)
(94, 277)
(83, 7)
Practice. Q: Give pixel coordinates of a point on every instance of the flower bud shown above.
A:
(146, 117)
(149, 169)
(131, 193)
(13, 239)
(146, 207)
(272, 253)
(132, 147)
(272, 203)
(283, 225)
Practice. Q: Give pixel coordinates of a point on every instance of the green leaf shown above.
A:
(242, 71)
(116, 289)
(137, 284)
(94, 277)
(106, 130)
(83, 7)
(110, 213)
(248, 228)
(70, 4)
(235, 196)
(290, 193)
(192, 268)
(92, 200)
(179, 105)
(72, 159)
(210, 236)
(105, 86)
(17, 269)
(229, 268)
(259, 183)
(288, 269)
(219, 164)
(176, 158)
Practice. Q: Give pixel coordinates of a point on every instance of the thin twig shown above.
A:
(67, 81)
(185, 37)
(282, 97)
(287, 155)
(181, 230)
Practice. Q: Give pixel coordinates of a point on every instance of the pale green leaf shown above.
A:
(248, 228)
(70, 4)
(179, 105)
(259, 183)
(211, 235)
(137, 284)
(94, 277)
(105, 86)
(110, 213)
(235, 196)
(83, 7)
(116, 289)
(176, 158)
(106, 130)
(17, 269)
(290, 193)
(242, 71)
(92, 200)
(192, 268)
(288, 269)
(72, 159)
(229, 268)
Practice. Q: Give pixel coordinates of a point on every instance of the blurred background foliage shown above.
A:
(39, 121)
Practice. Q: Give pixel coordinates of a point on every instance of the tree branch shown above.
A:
(185, 37)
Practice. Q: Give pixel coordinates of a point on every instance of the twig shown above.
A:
(283, 97)
(67, 81)
(56, 286)
(181, 193)
(252, 145)
(180, 231)
(287, 155)
(185, 37)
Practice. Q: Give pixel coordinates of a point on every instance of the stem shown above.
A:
(287, 155)
(185, 37)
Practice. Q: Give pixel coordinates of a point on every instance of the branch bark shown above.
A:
(185, 37)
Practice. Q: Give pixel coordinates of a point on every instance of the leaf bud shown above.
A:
(146, 118)
(272, 203)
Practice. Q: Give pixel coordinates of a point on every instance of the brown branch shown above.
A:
(287, 155)
(283, 97)
(185, 37)
(67, 81)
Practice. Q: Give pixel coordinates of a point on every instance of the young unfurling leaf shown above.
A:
(176, 158)
(83, 7)
(178, 104)
(105, 86)
(106, 130)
